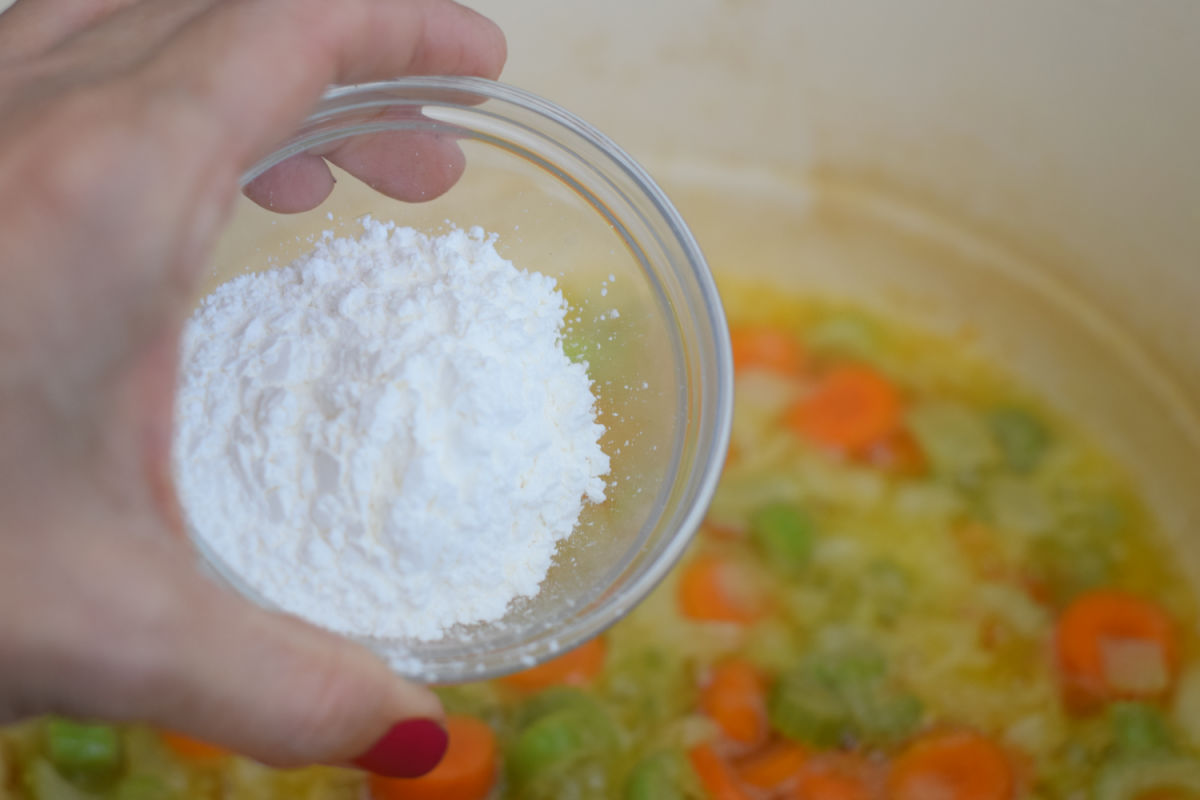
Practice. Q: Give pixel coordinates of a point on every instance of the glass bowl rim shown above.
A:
(608, 607)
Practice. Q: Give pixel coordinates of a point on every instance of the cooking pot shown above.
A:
(1022, 174)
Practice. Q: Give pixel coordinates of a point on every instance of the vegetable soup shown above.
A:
(915, 582)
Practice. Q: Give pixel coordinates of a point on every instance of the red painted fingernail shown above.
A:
(409, 748)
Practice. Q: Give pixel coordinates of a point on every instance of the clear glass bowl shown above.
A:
(565, 201)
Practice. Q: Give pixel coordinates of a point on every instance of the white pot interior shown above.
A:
(1020, 173)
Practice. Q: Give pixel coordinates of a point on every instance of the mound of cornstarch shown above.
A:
(385, 436)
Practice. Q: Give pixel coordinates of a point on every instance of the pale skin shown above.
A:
(124, 127)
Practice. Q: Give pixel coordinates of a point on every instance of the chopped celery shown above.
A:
(1022, 438)
(801, 708)
(1138, 729)
(783, 533)
(662, 776)
(89, 755)
(1135, 778)
(877, 711)
(836, 698)
(560, 738)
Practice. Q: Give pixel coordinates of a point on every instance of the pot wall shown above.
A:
(1069, 129)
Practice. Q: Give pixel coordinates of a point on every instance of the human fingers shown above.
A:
(129, 631)
(413, 166)
(409, 165)
(236, 64)
(300, 183)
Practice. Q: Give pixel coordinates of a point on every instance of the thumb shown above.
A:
(127, 629)
(286, 693)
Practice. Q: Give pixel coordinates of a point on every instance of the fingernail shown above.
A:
(409, 748)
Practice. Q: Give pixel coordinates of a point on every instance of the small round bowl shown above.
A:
(565, 201)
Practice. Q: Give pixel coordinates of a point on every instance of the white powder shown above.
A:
(385, 436)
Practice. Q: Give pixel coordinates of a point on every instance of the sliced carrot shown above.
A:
(1097, 638)
(851, 409)
(774, 767)
(712, 589)
(466, 772)
(832, 786)
(193, 750)
(955, 765)
(577, 667)
(715, 774)
(769, 349)
(735, 698)
(836, 776)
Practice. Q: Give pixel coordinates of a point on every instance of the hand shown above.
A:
(124, 125)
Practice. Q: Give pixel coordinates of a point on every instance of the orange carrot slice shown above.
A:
(851, 409)
(466, 772)
(764, 348)
(773, 768)
(712, 589)
(836, 776)
(1112, 644)
(957, 765)
(577, 667)
(736, 699)
(717, 776)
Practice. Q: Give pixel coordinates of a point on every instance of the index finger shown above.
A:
(252, 69)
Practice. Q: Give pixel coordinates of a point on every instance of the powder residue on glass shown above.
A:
(385, 436)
